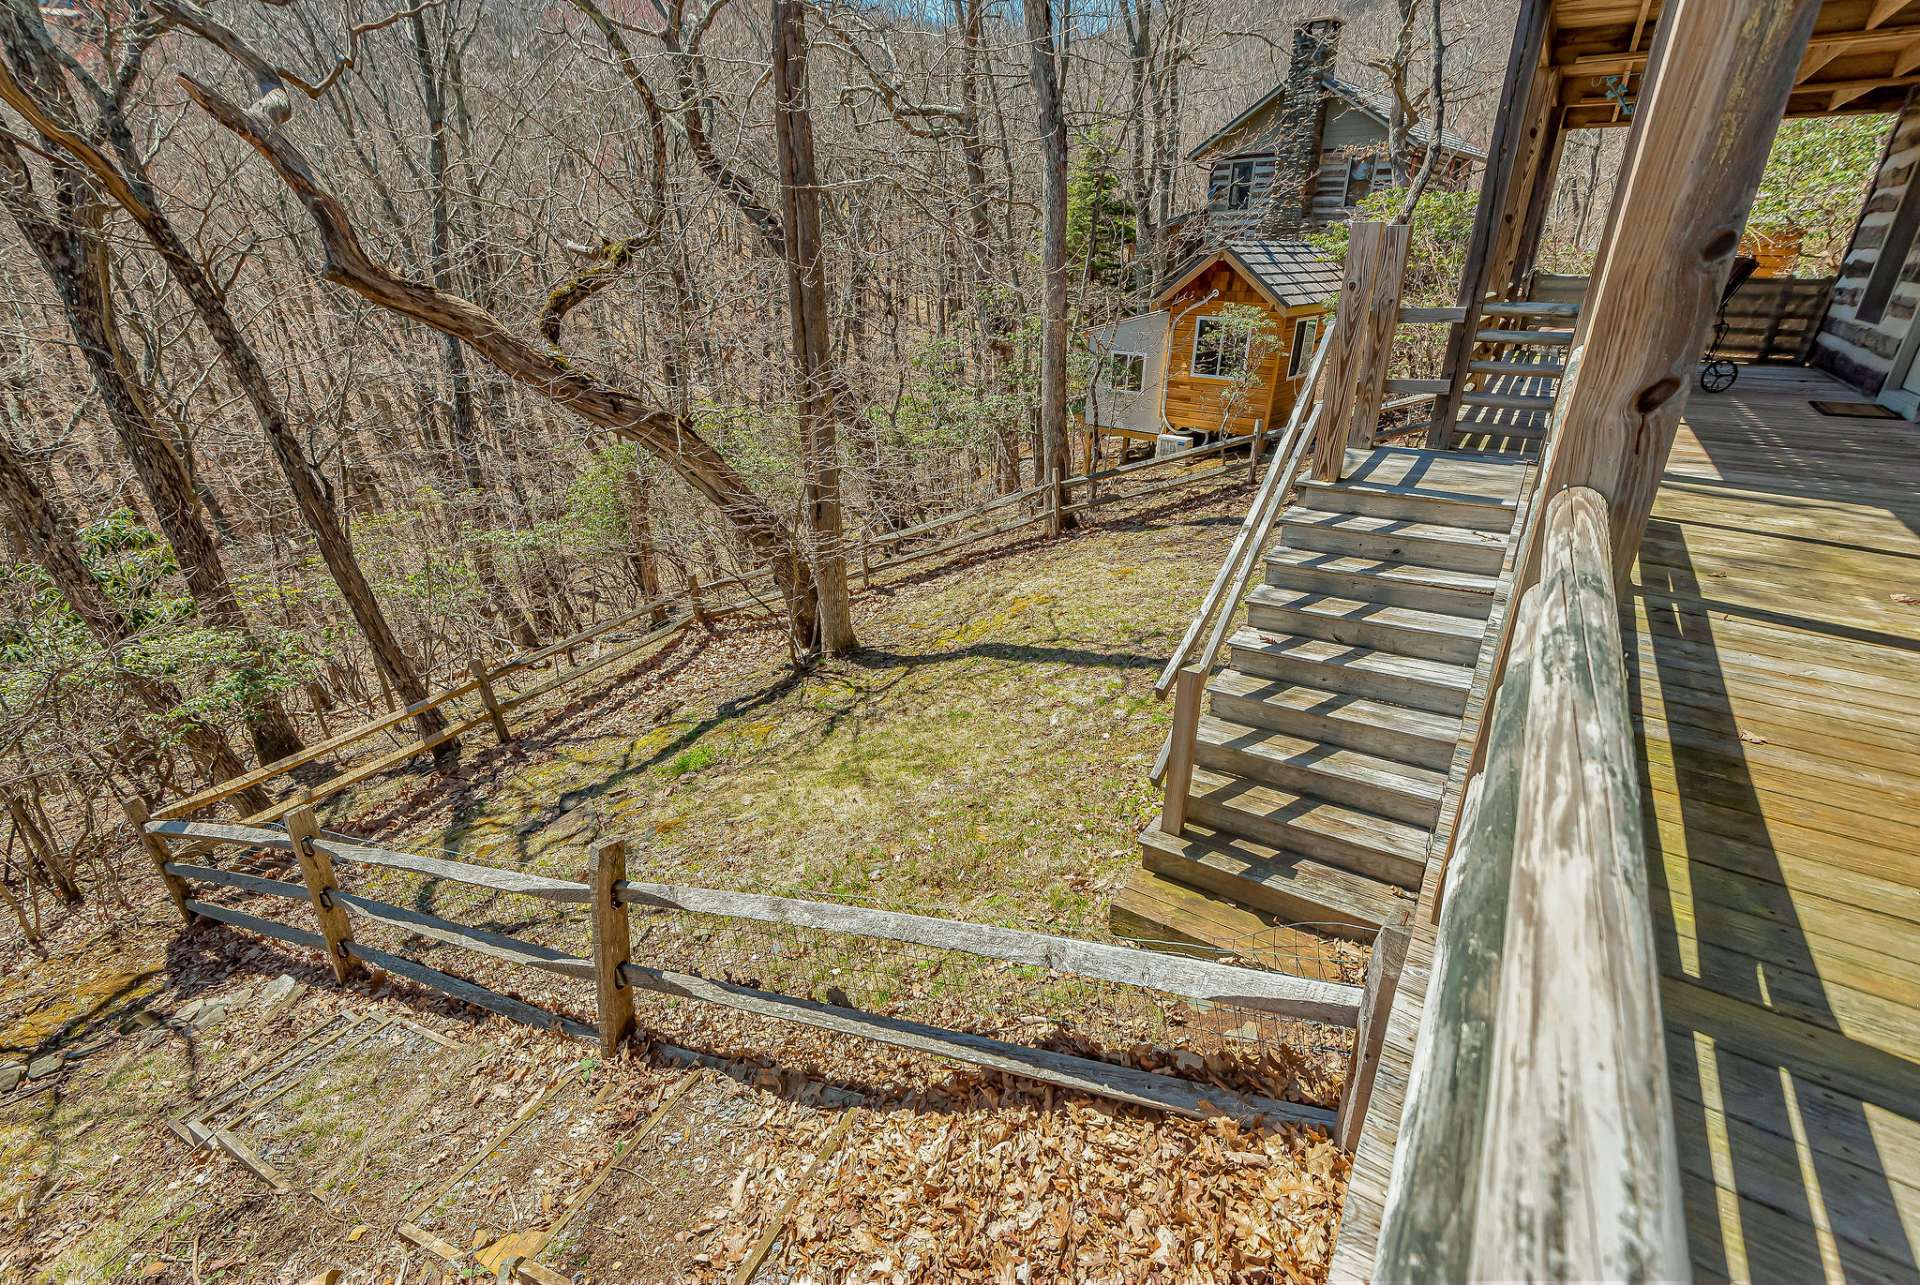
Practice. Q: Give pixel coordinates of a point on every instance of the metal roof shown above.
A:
(1371, 104)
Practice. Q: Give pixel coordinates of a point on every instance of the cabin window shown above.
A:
(1233, 185)
(1359, 180)
(1305, 331)
(1219, 350)
(1126, 372)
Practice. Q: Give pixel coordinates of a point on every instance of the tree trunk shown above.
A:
(76, 261)
(50, 534)
(498, 603)
(816, 378)
(642, 559)
(1053, 256)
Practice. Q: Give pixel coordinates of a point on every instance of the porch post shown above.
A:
(1546, 177)
(1509, 128)
(1706, 121)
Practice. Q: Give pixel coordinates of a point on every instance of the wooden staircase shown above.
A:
(1324, 740)
(1518, 360)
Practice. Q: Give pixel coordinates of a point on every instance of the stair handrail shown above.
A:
(1230, 582)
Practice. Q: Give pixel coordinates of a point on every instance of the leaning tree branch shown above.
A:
(268, 76)
(1438, 92)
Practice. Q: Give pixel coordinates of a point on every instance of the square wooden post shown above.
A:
(156, 850)
(1383, 980)
(316, 870)
(1186, 725)
(612, 945)
(487, 697)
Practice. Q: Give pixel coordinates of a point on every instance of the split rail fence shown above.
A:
(603, 900)
(487, 694)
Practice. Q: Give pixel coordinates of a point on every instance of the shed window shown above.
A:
(1219, 351)
(1233, 185)
(1305, 331)
(1126, 372)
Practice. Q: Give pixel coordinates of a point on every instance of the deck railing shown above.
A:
(1537, 1139)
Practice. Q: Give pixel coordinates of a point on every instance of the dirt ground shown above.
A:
(985, 756)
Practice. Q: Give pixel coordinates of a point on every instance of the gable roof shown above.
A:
(1289, 274)
(1367, 103)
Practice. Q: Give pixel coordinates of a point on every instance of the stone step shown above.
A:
(1407, 504)
(1427, 635)
(1428, 544)
(1398, 732)
(1316, 771)
(1396, 584)
(1353, 670)
(1291, 888)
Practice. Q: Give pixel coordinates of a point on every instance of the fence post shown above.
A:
(1253, 454)
(699, 608)
(316, 870)
(1383, 980)
(612, 945)
(1053, 501)
(156, 849)
(1186, 723)
(491, 701)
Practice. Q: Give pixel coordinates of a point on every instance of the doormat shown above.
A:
(1855, 410)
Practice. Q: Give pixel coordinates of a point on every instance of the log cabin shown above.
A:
(1590, 704)
(1308, 150)
(1222, 352)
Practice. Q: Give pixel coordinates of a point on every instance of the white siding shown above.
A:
(1136, 412)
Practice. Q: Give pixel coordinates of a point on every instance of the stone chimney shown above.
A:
(1296, 135)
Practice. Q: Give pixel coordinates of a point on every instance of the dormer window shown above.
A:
(1233, 185)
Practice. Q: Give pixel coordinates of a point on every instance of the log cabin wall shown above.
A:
(1868, 319)
(1196, 403)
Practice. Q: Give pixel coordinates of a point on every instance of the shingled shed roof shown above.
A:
(1292, 274)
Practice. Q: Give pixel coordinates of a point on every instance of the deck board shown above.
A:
(1774, 668)
(1775, 672)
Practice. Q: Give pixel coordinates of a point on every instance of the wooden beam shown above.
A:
(472, 992)
(1882, 10)
(1180, 750)
(1908, 59)
(612, 946)
(1346, 350)
(1705, 124)
(1523, 63)
(484, 684)
(1388, 957)
(1301, 997)
(156, 851)
(316, 871)
(1841, 97)
(1381, 319)
(1580, 1174)
(1082, 1075)
(500, 946)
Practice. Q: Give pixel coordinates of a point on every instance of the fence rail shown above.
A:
(695, 604)
(606, 899)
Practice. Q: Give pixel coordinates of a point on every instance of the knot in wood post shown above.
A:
(316, 871)
(156, 850)
(612, 945)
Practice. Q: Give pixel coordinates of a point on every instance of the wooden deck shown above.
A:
(1775, 670)
(1774, 666)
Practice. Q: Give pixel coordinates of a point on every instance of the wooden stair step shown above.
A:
(1408, 387)
(1508, 401)
(1528, 308)
(1292, 888)
(1158, 913)
(1352, 839)
(1538, 370)
(1317, 771)
(1356, 671)
(1525, 338)
(1397, 584)
(1429, 544)
(1429, 635)
(1398, 732)
(1407, 503)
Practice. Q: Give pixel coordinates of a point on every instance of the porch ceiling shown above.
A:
(1864, 56)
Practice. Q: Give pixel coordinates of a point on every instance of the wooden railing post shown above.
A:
(1365, 247)
(478, 669)
(1253, 452)
(699, 607)
(612, 946)
(1180, 743)
(156, 850)
(316, 871)
(1383, 980)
